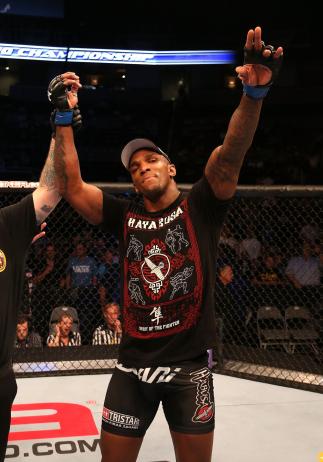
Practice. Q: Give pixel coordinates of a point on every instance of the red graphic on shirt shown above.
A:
(163, 277)
(155, 268)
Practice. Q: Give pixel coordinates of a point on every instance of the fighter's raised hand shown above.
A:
(261, 62)
(62, 91)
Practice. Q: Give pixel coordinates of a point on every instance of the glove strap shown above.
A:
(64, 117)
(255, 92)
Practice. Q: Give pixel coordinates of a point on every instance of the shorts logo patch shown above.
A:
(120, 420)
(3, 261)
(204, 406)
(204, 413)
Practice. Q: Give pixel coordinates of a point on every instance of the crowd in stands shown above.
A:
(253, 273)
(81, 273)
(65, 330)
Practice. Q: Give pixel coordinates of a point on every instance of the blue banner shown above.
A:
(31, 52)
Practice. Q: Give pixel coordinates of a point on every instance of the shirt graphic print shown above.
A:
(163, 275)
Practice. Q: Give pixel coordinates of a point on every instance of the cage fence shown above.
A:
(268, 291)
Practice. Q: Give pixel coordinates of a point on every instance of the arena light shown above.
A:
(110, 56)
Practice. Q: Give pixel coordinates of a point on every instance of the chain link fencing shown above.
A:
(269, 289)
(269, 292)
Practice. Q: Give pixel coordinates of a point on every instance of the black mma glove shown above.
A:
(76, 121)
(57, 94)
(254, 56)
(63, 115)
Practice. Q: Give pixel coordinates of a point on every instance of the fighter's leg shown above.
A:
(189, 409)
(192, 448)
(118, 448)
(129, 408)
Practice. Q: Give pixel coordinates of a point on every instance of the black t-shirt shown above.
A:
(167, 275)
(17, 228)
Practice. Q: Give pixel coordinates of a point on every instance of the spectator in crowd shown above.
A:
(310, 233)
(72, 244)
(280, 262)
(48, 272)
(99, 248)
(81, 283)
(304, 273)
(267, 274)
(81, 269)
(318, 252)
(47, 291)
(304, 270)
(268, 281)
(108, 278)
(232, 302)
(110, 332)
(250, 246)
(228, 240)
(25, 338)
(64, 335)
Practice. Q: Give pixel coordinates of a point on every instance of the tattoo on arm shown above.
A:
(47, 178)
(224, 164)
(46, 209)
(46, 196)
(223, 170)
(241, 130)
(60, 165)
(43, 212)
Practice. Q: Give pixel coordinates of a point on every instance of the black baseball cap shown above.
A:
(137, 144)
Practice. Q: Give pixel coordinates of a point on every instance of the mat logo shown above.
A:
(50, 420)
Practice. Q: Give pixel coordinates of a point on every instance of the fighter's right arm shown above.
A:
(86, 199)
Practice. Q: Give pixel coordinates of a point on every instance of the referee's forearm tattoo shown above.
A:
(47, 177)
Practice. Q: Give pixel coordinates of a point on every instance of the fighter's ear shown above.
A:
(172, 170)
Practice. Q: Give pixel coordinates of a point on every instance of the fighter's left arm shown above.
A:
(260, 68)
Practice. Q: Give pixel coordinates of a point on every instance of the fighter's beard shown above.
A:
(154, 195)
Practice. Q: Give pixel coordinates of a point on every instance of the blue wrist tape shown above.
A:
(64, 118)
(255, 92)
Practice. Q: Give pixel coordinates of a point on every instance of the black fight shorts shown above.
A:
(133, 397)
(8, 390)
